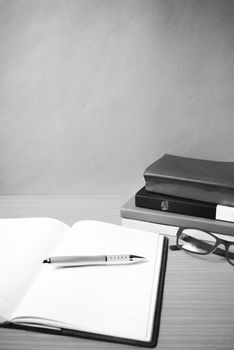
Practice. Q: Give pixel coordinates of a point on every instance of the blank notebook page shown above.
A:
(23, 240)
(111, 300)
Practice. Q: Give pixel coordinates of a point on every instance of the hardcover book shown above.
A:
(197, 179)
(167, 222)
(120, 303)
(173, 204)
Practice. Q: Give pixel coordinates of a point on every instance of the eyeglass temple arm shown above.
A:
(218, 251)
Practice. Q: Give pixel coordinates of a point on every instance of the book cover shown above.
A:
(173, 204)
(197, 179)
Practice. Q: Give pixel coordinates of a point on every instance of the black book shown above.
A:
(173, 204)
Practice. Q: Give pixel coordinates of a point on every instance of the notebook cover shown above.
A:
(130, 211)
(173, 204)
(74, 333)
(197, 179)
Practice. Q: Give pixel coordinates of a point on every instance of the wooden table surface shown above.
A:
(198, 303)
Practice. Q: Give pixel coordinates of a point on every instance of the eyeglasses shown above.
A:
(203, 243)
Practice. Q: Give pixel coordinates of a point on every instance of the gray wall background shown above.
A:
(93, 91)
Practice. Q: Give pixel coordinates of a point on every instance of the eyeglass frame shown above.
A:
(214, 250)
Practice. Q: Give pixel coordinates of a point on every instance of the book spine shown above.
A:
(195, 191)
(176, 205)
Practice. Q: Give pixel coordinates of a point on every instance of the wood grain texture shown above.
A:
(198, 304)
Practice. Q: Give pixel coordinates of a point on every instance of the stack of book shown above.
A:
(181, 191)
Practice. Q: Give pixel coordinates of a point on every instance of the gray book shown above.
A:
(131, 212)
(197, 179)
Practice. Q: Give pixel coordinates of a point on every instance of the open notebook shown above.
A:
(119, 303)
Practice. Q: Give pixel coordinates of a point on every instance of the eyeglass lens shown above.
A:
(197, 241)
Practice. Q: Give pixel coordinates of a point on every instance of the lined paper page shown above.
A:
(112, 300)
(23, 244)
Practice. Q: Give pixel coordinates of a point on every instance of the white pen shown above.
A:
(94, 260)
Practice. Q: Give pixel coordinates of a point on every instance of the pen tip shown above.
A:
(45, 261)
